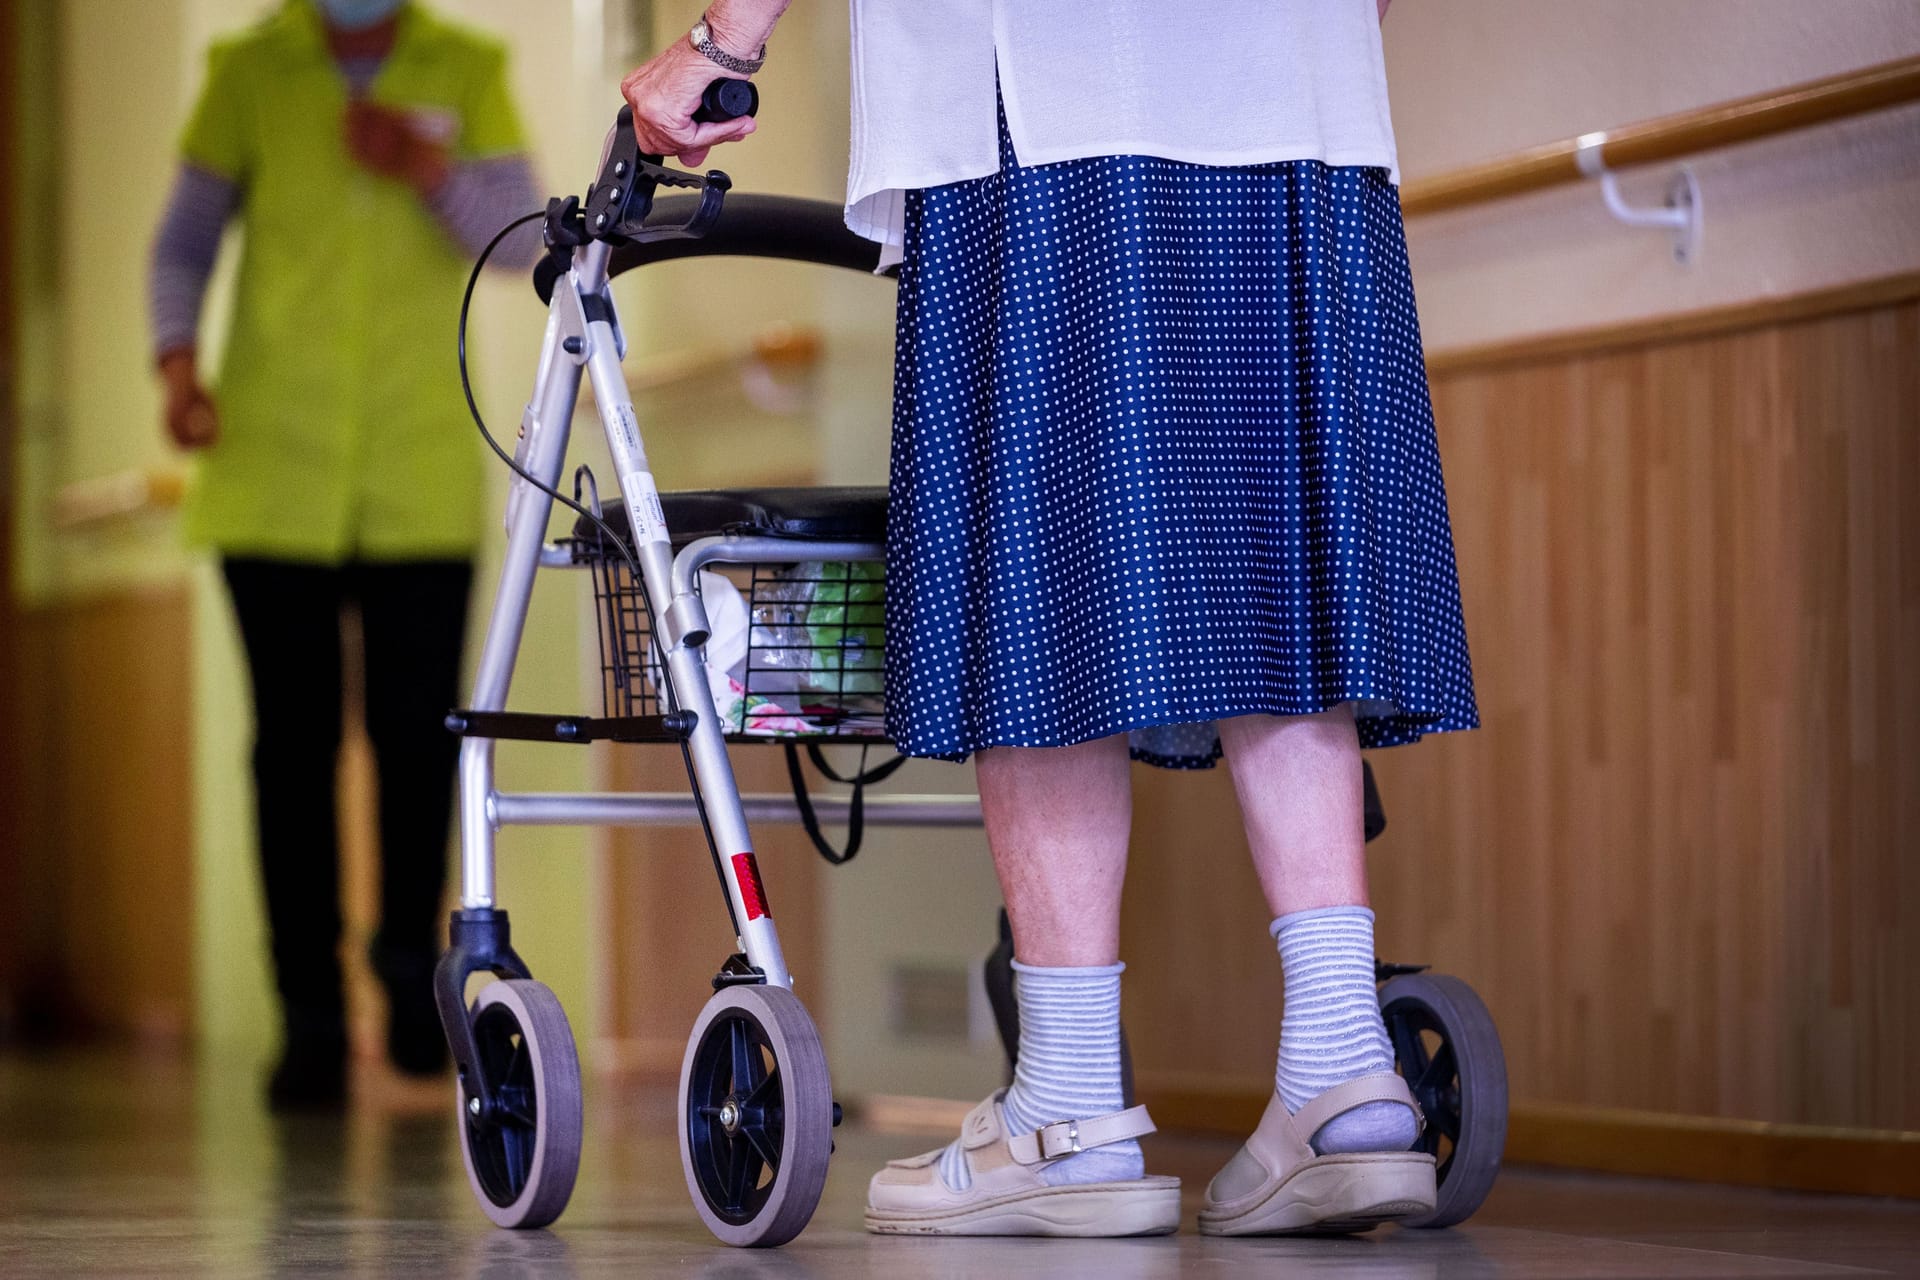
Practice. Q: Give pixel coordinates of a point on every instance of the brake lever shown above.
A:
(713, 193)
(617, 205)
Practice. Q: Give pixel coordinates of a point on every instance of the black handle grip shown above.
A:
(727, 100)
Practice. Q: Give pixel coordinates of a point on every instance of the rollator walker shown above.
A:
(755, 1110)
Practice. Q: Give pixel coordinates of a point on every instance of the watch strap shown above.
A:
(701, 38)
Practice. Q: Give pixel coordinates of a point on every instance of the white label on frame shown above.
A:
(629, 427)
(644, 499)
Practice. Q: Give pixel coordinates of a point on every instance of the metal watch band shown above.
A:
(701, 37)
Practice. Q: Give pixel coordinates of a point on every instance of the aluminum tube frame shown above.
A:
(543, 449)
(757, 549)
(679, 618)
(673, 809)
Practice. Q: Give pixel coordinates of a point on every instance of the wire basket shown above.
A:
(797, 650)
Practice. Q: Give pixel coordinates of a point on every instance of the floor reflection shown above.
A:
(116, 1165)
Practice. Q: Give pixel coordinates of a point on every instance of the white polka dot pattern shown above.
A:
(1163, 454)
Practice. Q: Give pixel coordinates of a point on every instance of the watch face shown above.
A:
(700, 35)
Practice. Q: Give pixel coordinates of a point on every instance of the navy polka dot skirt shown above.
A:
(1163, 454)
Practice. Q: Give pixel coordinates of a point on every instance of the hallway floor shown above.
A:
(122, 1165)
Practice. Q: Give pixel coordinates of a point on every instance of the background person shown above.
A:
(1164, 480)
(368, 150)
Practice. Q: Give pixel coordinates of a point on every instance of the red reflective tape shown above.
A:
(747, 874)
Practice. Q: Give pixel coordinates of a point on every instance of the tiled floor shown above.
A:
(115, 1165)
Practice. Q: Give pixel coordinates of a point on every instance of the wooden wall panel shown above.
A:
(13, 768)
(1681, 859)
(105, 810)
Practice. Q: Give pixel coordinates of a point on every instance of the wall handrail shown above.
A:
(1887, 84)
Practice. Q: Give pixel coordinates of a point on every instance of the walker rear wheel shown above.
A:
(522, 1159)
(1448, 1049)
(756, 1115)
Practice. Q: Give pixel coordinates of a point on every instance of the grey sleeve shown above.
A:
(184, 250)
(482, 196)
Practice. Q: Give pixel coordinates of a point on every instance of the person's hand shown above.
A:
(387, 142)
(664, 93)
(191, 418)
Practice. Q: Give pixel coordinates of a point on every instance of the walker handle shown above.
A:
(727, 100)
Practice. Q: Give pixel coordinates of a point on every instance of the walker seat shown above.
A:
(848, 513)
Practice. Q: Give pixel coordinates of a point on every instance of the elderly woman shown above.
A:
(1165, 485)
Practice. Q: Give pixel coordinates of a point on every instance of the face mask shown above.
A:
(358, 15)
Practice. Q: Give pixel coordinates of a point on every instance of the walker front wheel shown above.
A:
(1448, 1049)
(522, 1159)
(756, 1115)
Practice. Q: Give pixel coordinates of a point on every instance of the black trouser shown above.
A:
(413, 620)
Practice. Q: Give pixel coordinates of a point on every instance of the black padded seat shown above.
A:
(844, 514)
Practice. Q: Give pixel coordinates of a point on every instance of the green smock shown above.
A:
(343, 432)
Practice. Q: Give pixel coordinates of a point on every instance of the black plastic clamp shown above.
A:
(736, 972)
(480, 941)
(524, 726)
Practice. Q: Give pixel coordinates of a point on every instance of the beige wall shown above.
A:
(1475, 79)
(87, 406)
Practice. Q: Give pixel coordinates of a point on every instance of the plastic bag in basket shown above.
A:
(786, 673)
(817, 628)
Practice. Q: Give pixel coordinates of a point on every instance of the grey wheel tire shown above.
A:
(756, 1116)
(522, 1162)
(1445, 1044)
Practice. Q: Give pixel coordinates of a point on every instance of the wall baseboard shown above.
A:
(1750, 1153)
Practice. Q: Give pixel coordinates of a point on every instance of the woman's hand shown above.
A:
(664, 93)
(191, 419)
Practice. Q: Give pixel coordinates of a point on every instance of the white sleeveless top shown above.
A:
(1217, 82)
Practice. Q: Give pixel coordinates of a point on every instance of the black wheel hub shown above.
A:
(1432, 1072)
(503, 1141)
(735, 1121)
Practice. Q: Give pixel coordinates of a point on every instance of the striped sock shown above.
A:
(1332, 1030)
(1068, 1069)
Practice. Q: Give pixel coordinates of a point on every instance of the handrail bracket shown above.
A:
(1682, 215)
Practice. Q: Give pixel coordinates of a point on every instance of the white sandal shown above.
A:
(1007, 1196)
(1277, 1185)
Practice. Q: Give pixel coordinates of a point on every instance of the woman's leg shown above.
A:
(413, 618)
(1301, 795)
(1057, 819)
(1301, 792)
(289, 616)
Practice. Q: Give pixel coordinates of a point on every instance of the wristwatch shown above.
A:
(701, 38)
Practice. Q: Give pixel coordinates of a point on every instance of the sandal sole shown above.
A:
(1335, 1195)
(1094, 1209)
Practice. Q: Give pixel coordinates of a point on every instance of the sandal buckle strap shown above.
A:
(1068, 1137)
(1061, 1138)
